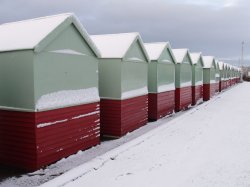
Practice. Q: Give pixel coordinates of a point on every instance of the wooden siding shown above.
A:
(30, 140)
(197, 93)
(183, 98)
(160, 104)
(119, 117)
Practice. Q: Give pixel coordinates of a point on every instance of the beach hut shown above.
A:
(227, 76)
(235, 74)
(49, 103)
(123, 86)
(217, 76)
(183, 79)
(222, 76)
(209, 77)
(224, 82)
(197, 77)
(231, 75)
(161, 80)
(238, 75)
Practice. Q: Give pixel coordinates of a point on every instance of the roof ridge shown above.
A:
(125, 33)
(38, 18)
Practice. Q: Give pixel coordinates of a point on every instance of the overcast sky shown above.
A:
(214, 27)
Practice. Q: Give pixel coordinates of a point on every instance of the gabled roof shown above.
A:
(155, 50)
(217, 64)
(208, 61)
(117, 45)
(195, 57)
(29, 34)
(221, 65)
(180, 54)
(226, 66)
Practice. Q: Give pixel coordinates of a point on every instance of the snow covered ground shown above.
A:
(208, 145)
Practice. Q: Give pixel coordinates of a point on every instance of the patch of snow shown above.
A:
(28, 33)
(64, 120)
(180, 54)
(206, 146)
(67, 52)
(167, 87)
(84, 115)
(212, 81)
(208, 61)
(221, 65)
(195, 57)
(134, 59)
(114, 45)
(50, 123)
(184, 84)
(198, 83)
(165, 61)
(155, 50)
(67, 98)
(135, 93)
(58, 150)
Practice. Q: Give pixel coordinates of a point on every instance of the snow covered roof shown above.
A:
(155, 50)
(207, 61)
(117, 45)
(180, 54)
(226, 66)
(216, 63)
(195, 57)
(28, 34)
(221, 65)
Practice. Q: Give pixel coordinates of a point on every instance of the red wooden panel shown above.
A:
(17, 139)
(160, 104)
(183, 98)
(197, 93)
(220, 86)
(119, 117)
(209, 90)
(30, 140)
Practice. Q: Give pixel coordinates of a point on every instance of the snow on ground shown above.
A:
(207, 146)
(14, 178)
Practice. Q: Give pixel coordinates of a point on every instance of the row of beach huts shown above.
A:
(62, 89)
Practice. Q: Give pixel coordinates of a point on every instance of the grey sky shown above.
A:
(214, 27)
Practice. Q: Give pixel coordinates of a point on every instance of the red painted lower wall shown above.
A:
(217, 87)
(183, 98)
(160, 104)
(119, 117)
(197, 93)
(223, 85)
(31, 140)
(209, 90)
